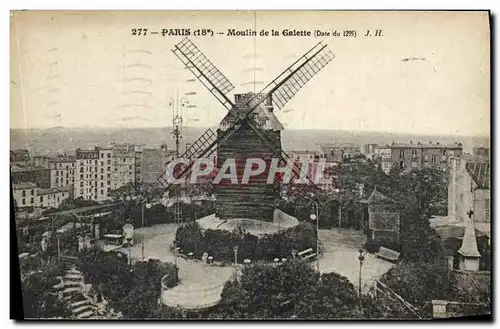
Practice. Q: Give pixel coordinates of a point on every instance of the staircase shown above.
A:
(72, 290)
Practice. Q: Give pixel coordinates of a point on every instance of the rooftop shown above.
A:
(23, 186)
(337, 145)
(44, 191)
(28, 168)
(480, 173)
(429, 145)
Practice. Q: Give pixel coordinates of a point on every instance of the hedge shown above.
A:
(219, 243)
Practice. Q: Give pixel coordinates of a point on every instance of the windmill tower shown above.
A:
(250, 129)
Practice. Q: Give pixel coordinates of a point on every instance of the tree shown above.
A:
(291, 290)
(40, 300)
(418, 284)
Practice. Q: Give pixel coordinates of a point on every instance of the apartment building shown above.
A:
(20, 158)
(62, 171)
(52, 197)
(123, 165)
(24, 194)
(382, 154)
(37, 175)
(93, 174)
(29, 195)
(153, 163)
(419, 155)
(339, 152)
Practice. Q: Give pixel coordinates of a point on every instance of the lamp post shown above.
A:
(129, 239)
(315, 217)
(235, 250)
(361, 258)
(148, 206)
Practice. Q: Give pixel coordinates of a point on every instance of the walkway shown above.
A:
(201, 284)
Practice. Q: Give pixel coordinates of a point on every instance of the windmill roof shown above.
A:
(480, 173)
(263, 115)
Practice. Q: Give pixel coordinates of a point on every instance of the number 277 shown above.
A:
(139, 31)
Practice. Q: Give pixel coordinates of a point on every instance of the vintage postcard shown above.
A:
(251, 164)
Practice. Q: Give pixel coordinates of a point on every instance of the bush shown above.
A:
(219, 243)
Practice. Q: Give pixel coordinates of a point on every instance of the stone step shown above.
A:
(85, 315)
(71, 289)
(73, 276)
(81, 309)
(80, 303)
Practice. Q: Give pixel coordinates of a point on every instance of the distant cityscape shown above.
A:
(44, 181)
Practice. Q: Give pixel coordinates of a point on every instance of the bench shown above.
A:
(306, 254)
(388, 254)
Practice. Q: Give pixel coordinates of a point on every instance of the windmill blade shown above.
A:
(288, 83)
(204, 70)
(204, 146)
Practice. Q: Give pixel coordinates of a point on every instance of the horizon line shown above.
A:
(207, 127)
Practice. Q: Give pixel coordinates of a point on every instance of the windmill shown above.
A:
(249, 129)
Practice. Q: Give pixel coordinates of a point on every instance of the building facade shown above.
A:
(469, 189)
(37, 175)
(29, 195)
(123, 165)
(20, 158)
(382, 154)
(410, 156)
(62, 171)
(52, 197)
(24, 194)
(93, 173)
(153, 163)
(339, 152)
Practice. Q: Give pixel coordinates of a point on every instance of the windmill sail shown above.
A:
(288, 83)
(204, 70)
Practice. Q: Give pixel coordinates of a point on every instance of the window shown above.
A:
(102, 170)
(109, 175)
(401, 153)
(24, 193)
(81, 191)
(109, 182)
(444, 152)
(102, 177)
(32, 192)
(102, 192)
(433, 158)
(57, 181)
(41, 198)
(109, 168)
(130, 167)
(102, 185)
(81, 184)
(108, 155)
(413, 152)
(57, 173)
(24, 201)
(32, 200)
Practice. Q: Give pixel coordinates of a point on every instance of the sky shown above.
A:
(428, 74)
